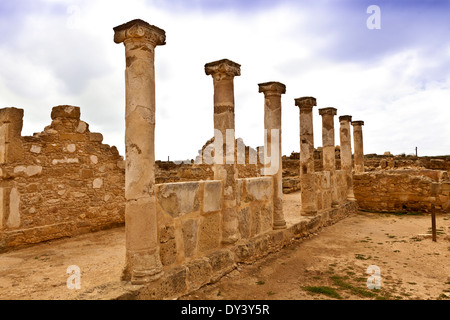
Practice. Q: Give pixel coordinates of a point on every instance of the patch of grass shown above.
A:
(260, 283)
(339, 281)
(219, 293)
(328, 291)
(270, 293)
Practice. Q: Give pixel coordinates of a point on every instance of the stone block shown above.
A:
(244, 222)
(199, 273)
(221, 262)
(168, 252)
(170, 285)
(180, 198)
(212, 196)
(65, 111)
(259, 188)
(95, 137)
(14, 209)
(209, 233)
(76, 137)
(189, 229)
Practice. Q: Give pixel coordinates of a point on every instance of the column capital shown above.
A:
(357, 123)
(305, 102)
(272, 88)
(223, 69)
(328, 111)
(139, 30)
(345, 118)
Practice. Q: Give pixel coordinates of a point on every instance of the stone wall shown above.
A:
(57, 183)
(184, 278)
(189, 216)
(403, 190)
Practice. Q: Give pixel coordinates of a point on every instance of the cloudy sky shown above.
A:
(395, 79)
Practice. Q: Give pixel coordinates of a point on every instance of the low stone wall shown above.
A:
(323, 190)
(58, 183)
(189, 215)
(195, 273)
(402, 191)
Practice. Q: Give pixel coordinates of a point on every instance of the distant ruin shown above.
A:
(188, 224)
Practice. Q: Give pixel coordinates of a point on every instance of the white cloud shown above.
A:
(70, 58)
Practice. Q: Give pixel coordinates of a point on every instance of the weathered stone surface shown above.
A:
(212, 196)
(346, 152)
(223, 73)
(177, 199)
(190, 231)
(308, 193)
(199, 273)
(209, 232)
(358, 146)
(400, 192)
(65, 111)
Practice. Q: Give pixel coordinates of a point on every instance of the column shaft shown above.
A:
(307, 175)
(329, 154)
(358, 145)
(272, 121)
(346, 153)
(143, 262)
(223, 73)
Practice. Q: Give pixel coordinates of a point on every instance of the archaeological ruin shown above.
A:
(188, 224)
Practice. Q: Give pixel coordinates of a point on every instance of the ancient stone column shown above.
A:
(328, 149)
(346, 153)
(223, 73)
(358, 145)
(307, 176)
(11, 122)
(143, 261)
(272, 121)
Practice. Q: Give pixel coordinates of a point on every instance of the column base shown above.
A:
(308, 212)
(142, 267)
(277, 225)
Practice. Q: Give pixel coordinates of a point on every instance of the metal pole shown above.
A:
(433, 222)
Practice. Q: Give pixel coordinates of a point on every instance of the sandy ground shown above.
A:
(333, 264)
(329, 265)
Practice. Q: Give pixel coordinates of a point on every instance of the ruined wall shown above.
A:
(59, 182)
(402, 190)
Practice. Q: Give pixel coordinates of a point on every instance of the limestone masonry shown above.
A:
(188, 224)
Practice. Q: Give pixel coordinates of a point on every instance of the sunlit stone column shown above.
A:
(307, 176)
(223, 73)
(328, 145)
(143, 262)
(272, 121)
(346, 153)
(358, 145)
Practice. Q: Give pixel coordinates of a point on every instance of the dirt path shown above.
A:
(333, 264)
